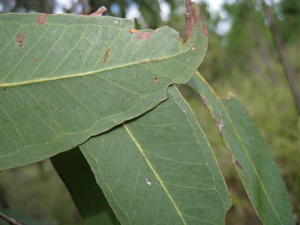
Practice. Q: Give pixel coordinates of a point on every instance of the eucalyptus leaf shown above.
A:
(75, 172)
(65, 78)
(251, 155)
(160, 169)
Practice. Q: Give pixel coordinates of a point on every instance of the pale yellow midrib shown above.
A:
(89, 73)
(140, 149)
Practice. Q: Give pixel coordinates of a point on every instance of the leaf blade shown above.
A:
(165, 180)
(252, 158)
(75, 172)
(60, 85)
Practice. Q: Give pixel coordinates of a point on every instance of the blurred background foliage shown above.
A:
(242, 59)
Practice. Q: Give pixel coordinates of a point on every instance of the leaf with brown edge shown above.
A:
(63, 85)
(251, 155)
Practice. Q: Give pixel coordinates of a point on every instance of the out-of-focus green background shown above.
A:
(242, 60)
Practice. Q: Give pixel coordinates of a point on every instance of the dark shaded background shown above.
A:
(242, 59)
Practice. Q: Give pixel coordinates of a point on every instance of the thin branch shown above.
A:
(287, 68)
(10, 220)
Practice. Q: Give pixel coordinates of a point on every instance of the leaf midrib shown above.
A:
(155, 173)
(244, 150)
(89, 73)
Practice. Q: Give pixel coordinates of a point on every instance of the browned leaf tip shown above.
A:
(105, 57)
(20, 40)
(41, 18)
(192, 19)
(99, 12)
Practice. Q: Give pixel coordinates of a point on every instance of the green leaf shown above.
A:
(74, 170)
(251, 156)
(68, 77)
(159, 169)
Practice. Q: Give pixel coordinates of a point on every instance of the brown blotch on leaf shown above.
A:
(20, 40)
(192, 18)
(204, 30)
(238, 164)
(106, 54)
(145, 35)
(156, 79)
(41, 18)
(99, 12)
(204, 27)
(35, 59)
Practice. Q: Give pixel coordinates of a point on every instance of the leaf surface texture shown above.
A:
(68, 77)
(251, 155)
(159, 169)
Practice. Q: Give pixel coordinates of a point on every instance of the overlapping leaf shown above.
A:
(252, 158)
(159, 169)
(64, 78)
(85, 192)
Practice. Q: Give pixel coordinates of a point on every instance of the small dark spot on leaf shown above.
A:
(237, 163)
(20, 40)
(2, 91)
(41, 18)
(105, 56)
(156, 79)
(35, 59)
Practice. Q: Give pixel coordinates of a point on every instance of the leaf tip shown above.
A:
(193, 20)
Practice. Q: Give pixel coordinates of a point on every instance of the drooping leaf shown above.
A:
(159, 169)
(251, 155)
(75, 172)
(64, 78)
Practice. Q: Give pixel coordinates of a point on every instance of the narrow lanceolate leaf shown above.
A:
(74, 170)
(159, 169)
(251, 154)
(64, 78)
